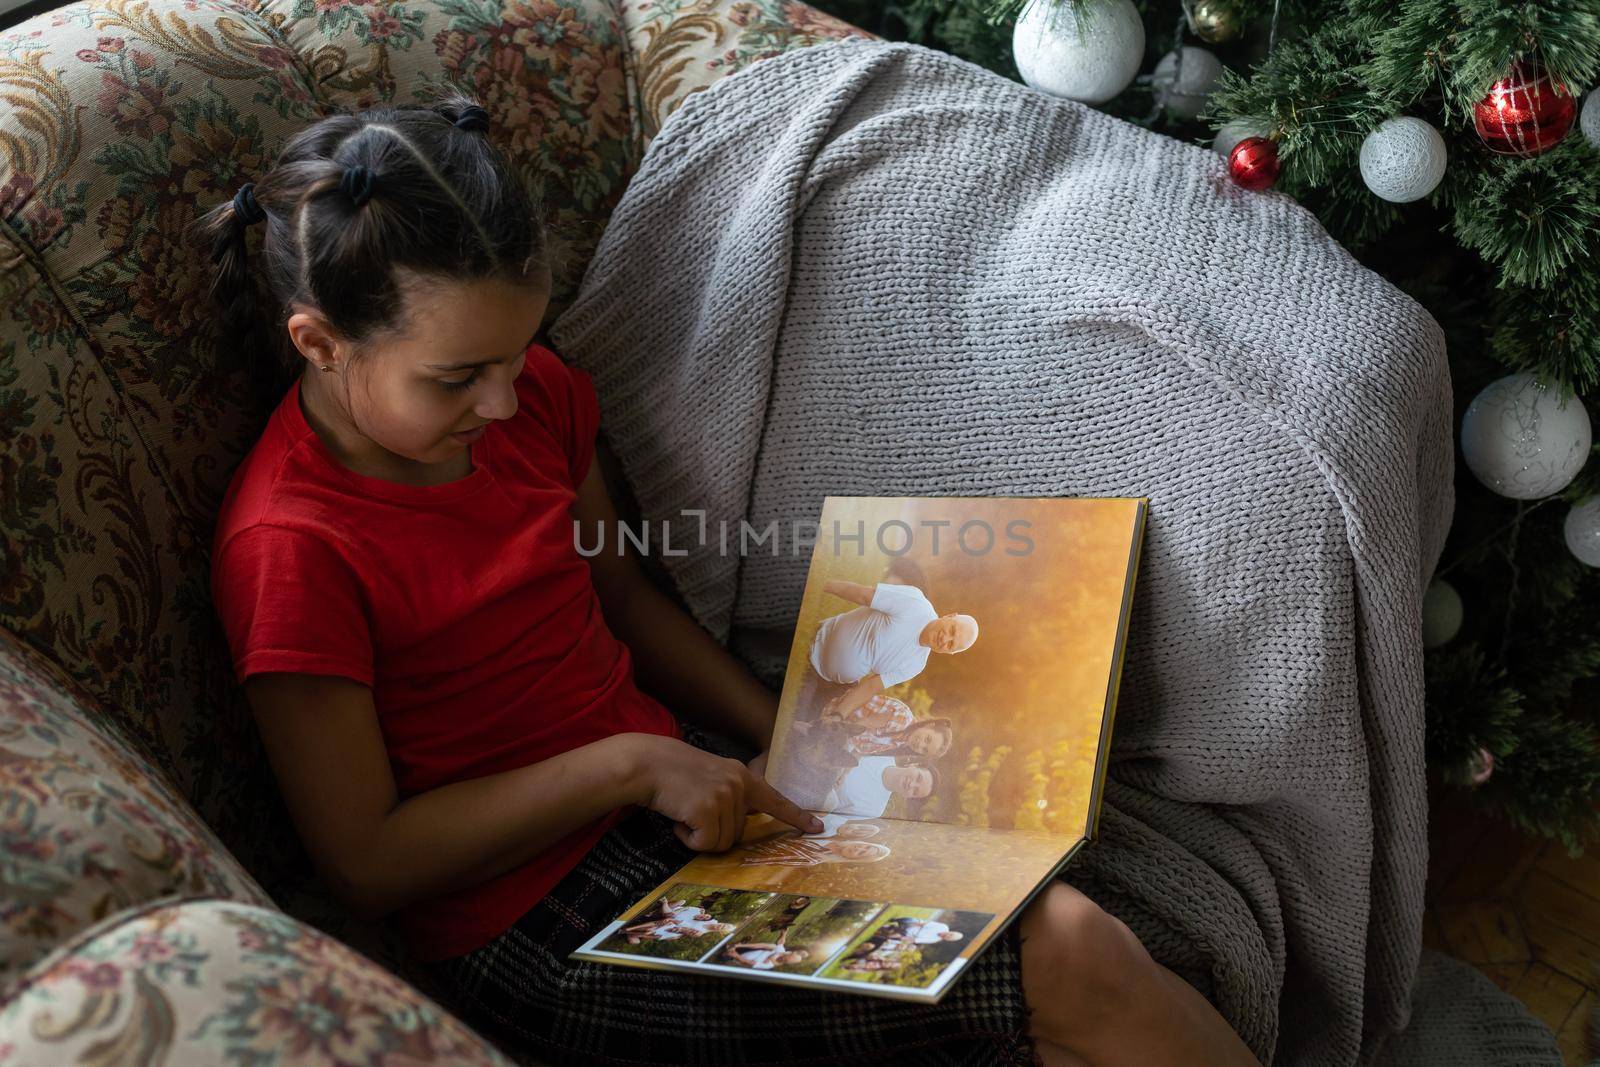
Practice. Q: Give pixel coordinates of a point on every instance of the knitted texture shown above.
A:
(1459, 1016)
(870, 268)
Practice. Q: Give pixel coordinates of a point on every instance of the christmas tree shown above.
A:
(1451, 145)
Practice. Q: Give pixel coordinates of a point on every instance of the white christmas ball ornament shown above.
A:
(1232, 133)
(1582, 531)
(1194, 83)
(1403, 159)
(1441, 614)
(1522, 440)
(1589, 118)
(1089, 58)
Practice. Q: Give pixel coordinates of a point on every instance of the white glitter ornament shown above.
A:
(1198, 77)
(1524, 441)
(1582, 531)
(1234, 132)
(1403, 159)
(1589, 118)
(1089, 60)
(1441, 614)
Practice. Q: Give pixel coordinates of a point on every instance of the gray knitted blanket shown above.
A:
(869, 268)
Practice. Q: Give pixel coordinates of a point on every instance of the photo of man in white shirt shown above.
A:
(882, 643)
(865, 790)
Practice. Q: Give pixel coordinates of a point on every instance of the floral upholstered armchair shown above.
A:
(155, 906)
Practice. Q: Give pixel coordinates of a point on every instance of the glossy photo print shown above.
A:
(908, 946)
(884, 859)
(794, 934)
(954, 660)
(685, 922)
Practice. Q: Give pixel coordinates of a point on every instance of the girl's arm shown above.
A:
(857, 695)
(379, 853)
(675, 660)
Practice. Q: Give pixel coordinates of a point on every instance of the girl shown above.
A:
(665, 914)
(878, 713)
(765, 955)
(924, 739)
(481, 732)
(810, 851)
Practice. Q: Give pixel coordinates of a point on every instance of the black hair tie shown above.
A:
(245, 206)
(356, 183)
(472, 117)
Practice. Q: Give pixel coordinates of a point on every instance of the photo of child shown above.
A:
(685, 921)
(794, 935)
(974, 869)
(908, 946)
(807, 851)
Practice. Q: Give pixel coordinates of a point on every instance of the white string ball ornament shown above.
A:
(1582, 531)
(1589, 118)
(1481, 766)
(1403, 159)
(1524, 440)
(1186, 95)
(1234, 132)
(1089, 59)
(1441, 614)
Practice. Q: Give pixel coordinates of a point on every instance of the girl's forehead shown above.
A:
(474, 314)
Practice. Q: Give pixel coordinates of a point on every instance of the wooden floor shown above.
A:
(1523, 912)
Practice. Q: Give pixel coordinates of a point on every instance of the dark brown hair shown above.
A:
(444, 205)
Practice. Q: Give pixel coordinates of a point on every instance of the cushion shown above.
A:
(90, 826)
(202, 981)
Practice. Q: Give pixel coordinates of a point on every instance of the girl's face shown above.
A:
(860, 851)
(411, 406)
(926, 741)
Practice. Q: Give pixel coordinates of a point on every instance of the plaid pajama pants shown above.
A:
(522, 988)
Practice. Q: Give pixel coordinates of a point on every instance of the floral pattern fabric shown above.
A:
(684, 46)
(214, 982)
(123, 413)
(90, 828)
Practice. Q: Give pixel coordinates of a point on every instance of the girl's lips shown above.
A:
(471, 435)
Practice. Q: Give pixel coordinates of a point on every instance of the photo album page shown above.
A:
(947, 713)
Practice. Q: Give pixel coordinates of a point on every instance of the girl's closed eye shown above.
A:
(462, 384)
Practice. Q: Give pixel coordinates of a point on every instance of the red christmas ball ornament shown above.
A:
(1525, 113)
(1253, 163)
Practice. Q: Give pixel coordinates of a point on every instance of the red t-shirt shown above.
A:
(464, 606)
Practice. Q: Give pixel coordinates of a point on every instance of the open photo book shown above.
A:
(947, 713)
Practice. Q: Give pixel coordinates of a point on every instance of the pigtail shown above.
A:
(469, 119)
(235, 292)
(463, 112)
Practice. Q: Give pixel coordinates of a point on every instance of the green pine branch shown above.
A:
(1533, 218)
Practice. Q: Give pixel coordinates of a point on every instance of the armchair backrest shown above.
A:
(122, 412)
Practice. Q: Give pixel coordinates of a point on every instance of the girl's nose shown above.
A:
(500, 403)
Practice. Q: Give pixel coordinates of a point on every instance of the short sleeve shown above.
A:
(894, 600)
(571, 408)
(288, 602)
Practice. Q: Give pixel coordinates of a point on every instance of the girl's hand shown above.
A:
(758, 766)
(708, 796)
